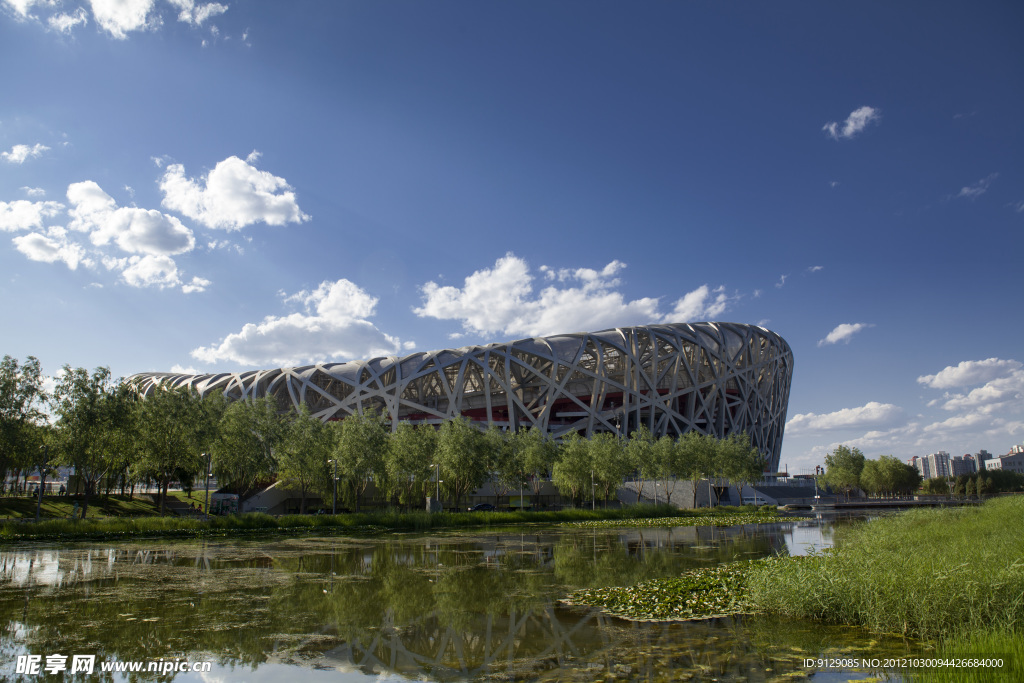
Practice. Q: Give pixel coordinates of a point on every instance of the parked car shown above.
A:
(482, 507)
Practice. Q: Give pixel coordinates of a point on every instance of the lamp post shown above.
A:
(334, 482)
(593, 491)
(42, 479)
(209, 464)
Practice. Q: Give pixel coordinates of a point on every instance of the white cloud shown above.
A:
(65, 23)
(25, 215)
(198, 284)
(191, 13)
(854, 123)
(134, 230)
(782, 281)
(843, 333)
(20, 153)
(970, 421)
(233, 195)
(21, 7)
(700, 304)
(333, 327)
(994, 393)
(979, 188)
(50, 249)
(970, 372)
(33, 191)
(151, 271)
(501, 299)
(871, 414)
(120, 17)
(184, 370)
(815, 269)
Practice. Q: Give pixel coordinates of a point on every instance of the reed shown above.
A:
(953, 573)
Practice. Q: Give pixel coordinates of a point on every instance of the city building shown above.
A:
(962, 465)
(932, 465)
(716, 378)
(1011, 462)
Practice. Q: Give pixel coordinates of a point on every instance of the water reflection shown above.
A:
(442, 607)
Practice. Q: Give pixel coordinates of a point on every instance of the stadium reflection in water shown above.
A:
(457, 606)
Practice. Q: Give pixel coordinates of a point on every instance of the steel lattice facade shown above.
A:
(717, 378)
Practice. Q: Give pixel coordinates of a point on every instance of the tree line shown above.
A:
(115, 439)
(846, 470)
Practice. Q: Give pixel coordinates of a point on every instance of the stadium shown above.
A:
(717, 378)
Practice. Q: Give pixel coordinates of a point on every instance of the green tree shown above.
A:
(842, 469)
(640, 453)
(21, 410)
(306, 444)
(872, 478)
(247, 439)
(504, 462)
(695, 457)
(742, 464)
(172, 430)
(610, 463)
(539, 453)
(411, 452)
(360, 445)
(83, 408)
(573, 471)
(668, 465)
(461, 454)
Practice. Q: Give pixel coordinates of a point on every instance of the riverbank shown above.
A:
(356, 523)
(953, 577)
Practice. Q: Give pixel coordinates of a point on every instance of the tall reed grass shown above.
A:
(948, 575)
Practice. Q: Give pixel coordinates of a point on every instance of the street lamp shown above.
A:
(334, 481)
(209, 466)
(42, 478)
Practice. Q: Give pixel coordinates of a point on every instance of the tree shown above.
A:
(741, 463)
(248, 435)
(21, 401)
(609, 462)
(842, 469)
(306, 444)
(172, 427)
(410, 454)
(695, 454)
(78, 403)
(361, 442)
(505, 464)
(667, 464)
(573, 471)
(461, 454)
(640, 453)
(872, 478)
(539, 453)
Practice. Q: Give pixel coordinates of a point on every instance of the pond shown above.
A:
(480, 605)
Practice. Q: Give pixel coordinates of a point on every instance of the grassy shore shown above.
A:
(953, 576)
(365, 522)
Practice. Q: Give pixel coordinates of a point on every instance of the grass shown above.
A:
(953, 576)
(57, 507)
(66, 529)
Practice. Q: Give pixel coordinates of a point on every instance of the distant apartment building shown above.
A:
(963, 465)
(932, 465)
(982, 457)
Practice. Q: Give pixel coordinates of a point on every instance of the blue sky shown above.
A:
(221, 186)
